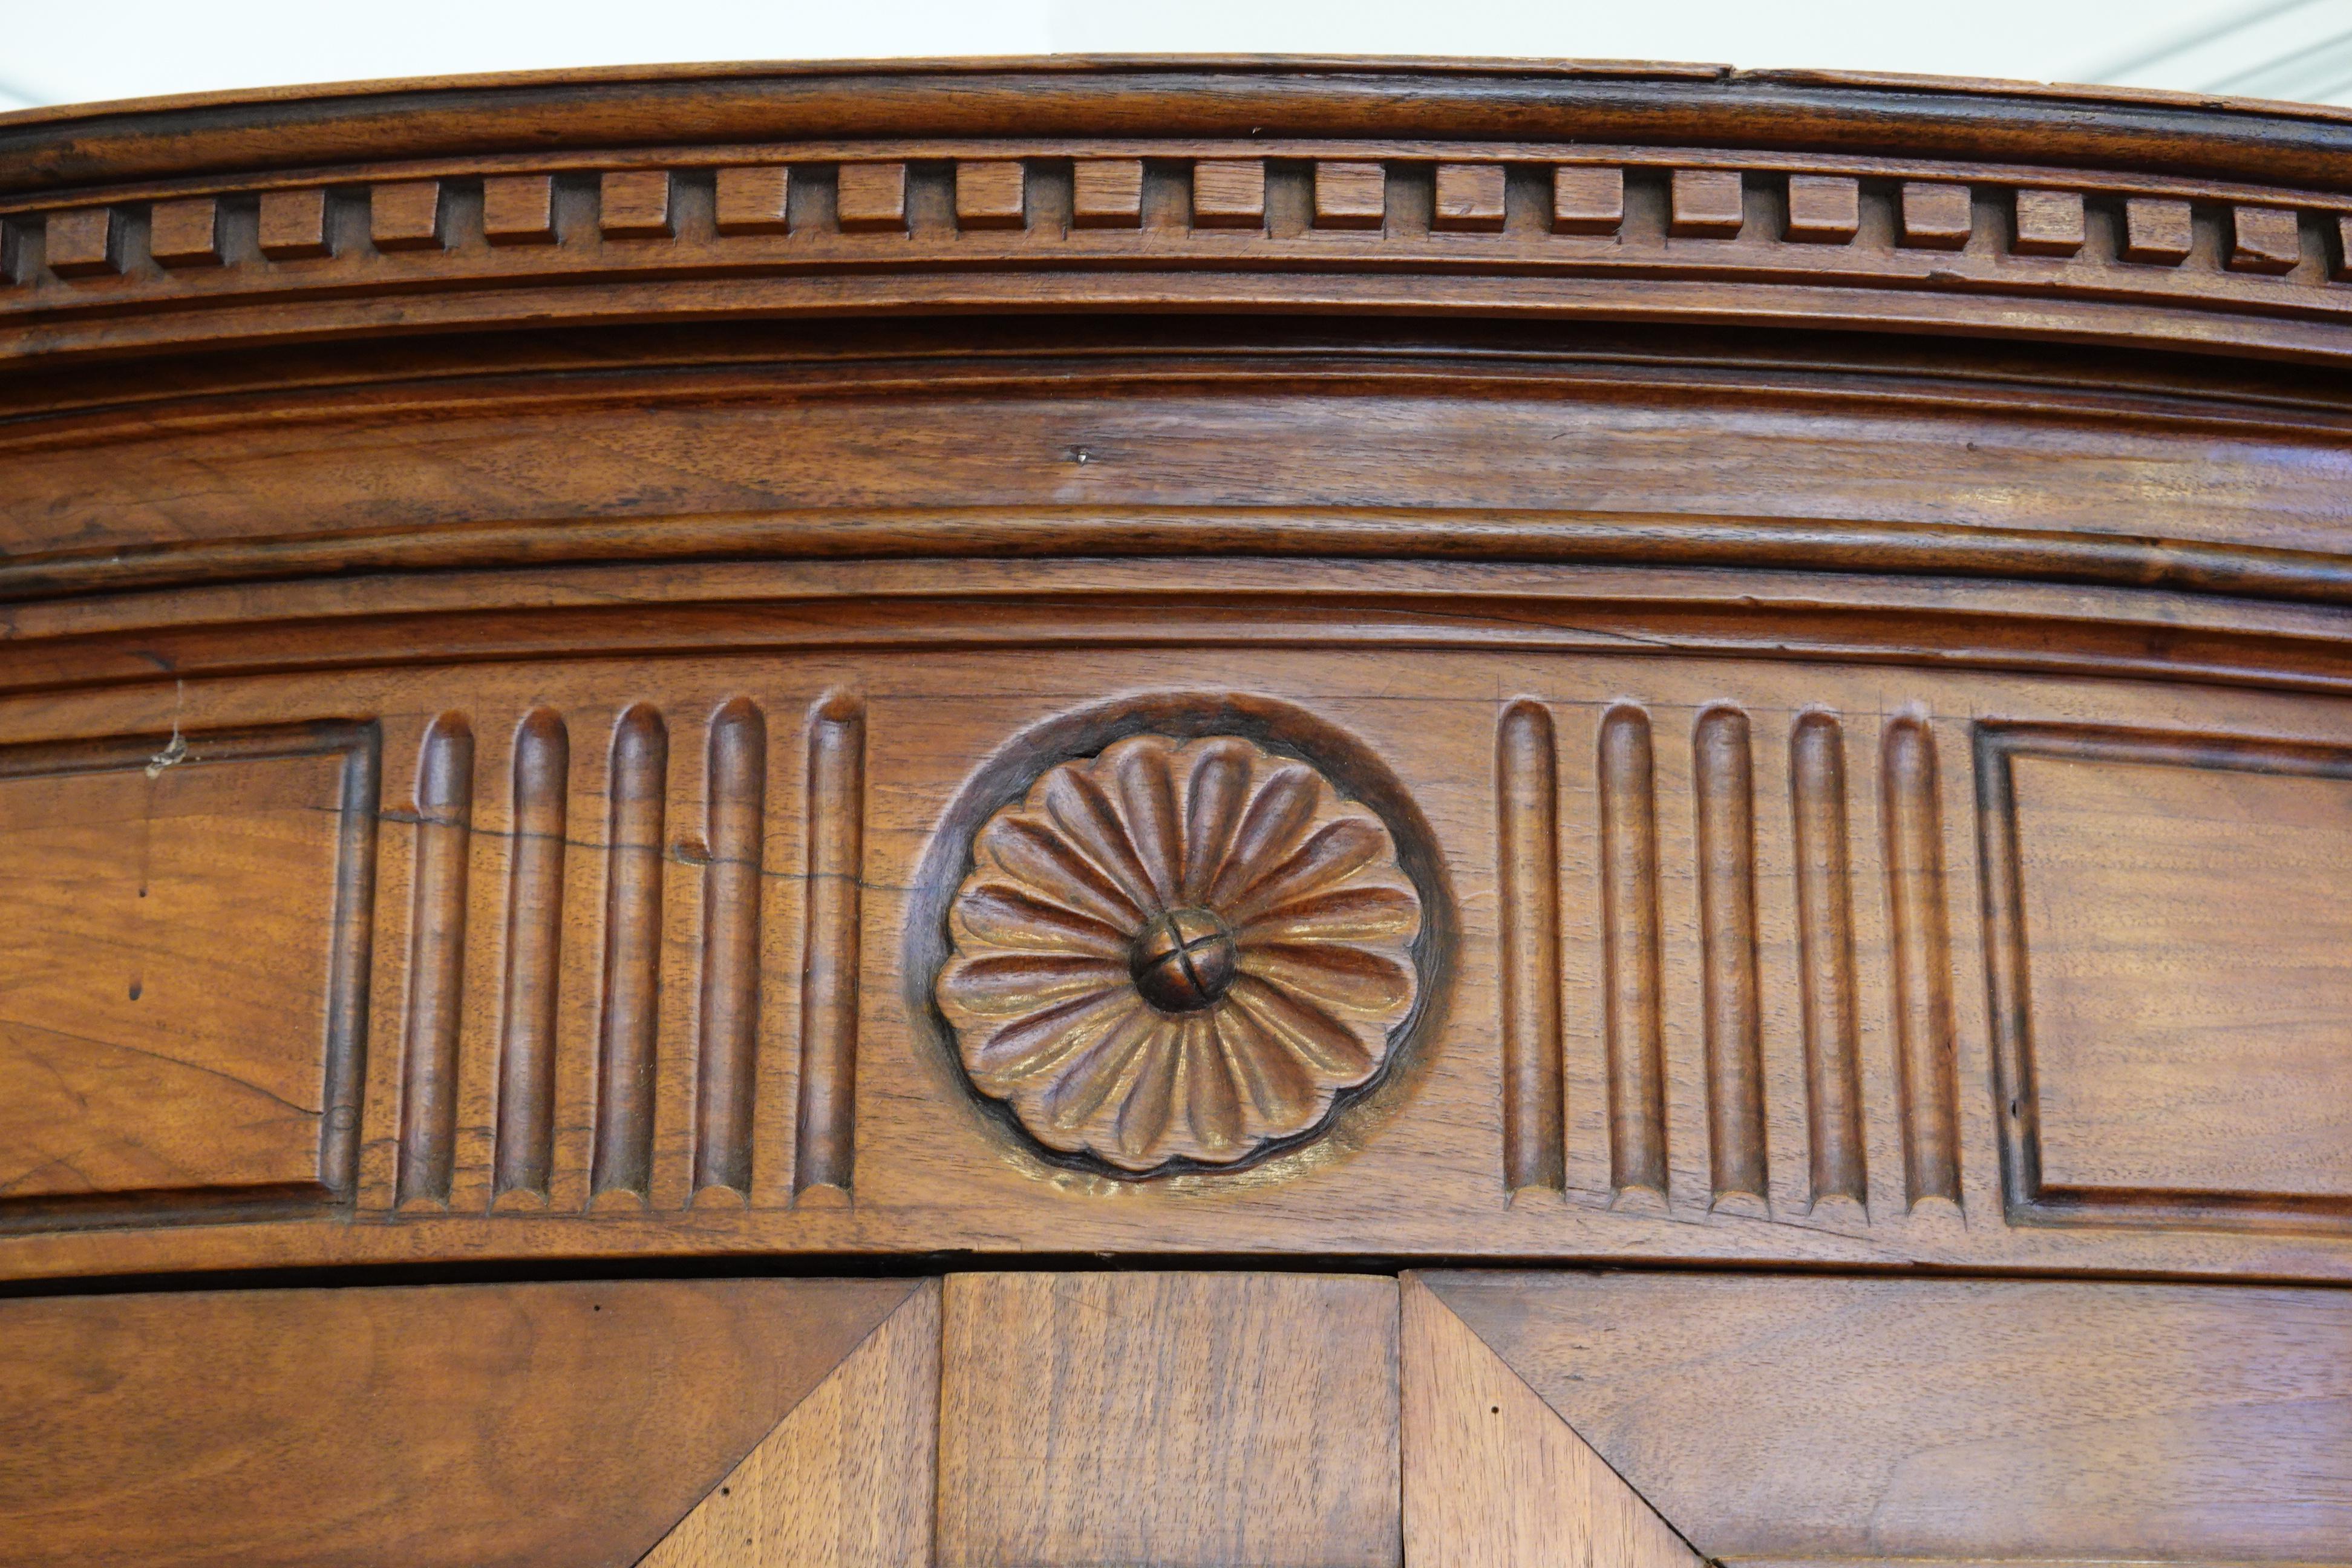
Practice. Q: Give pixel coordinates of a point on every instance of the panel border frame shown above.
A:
(2027, 1199)
(343, 1049)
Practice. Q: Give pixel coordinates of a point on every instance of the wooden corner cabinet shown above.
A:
(1145, 815)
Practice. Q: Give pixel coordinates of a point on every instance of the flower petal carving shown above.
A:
(1179, 950)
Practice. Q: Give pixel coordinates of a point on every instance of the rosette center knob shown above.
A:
(1183, 961)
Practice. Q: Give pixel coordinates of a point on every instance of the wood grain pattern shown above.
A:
(406, 215)
(528, 1022)
(2100, 1044)
(184, 233)
(448, 1425)
(80, 243)
(519, 209)
(871, 198)
(1912, 809)
(1183, 1420)
(294, 224)
(1107, 192)
(990, 193)
(1469, 198)
(635, 203)
(1350, 194)
(1527, 772)
(2049, 223)
(1824, 209)
(1707, 203)
(1936, 216)
(987, 480)
(826, 1152)
(1629, 897)
(2158, 231)
(1838, 1162)
(1723, 786)
(756, 199)
(149, 1069)
(1962, 1421)
(1587, 200)
(436, 963)
(846, 1479)
(629, 1017)
(1228, 193)
(1494, 1478)
(735, 823)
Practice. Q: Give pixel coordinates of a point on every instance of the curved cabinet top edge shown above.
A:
(61, 148)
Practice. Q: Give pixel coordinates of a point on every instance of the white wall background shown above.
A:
(64, 51)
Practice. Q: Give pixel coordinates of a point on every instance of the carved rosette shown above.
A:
(1178, 951)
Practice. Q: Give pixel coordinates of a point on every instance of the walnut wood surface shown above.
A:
(474, 1424)
(677, 645)
(1178, 1419)
(1494, 1478)
(1956, 1420)
(847, 1478)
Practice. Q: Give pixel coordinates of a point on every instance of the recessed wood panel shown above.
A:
(2177, 934)
(1882, 1420)
(178, 970)
(469, 1426)
(1183, 1420)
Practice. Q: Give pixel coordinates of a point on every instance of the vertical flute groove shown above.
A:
(1922, 964)
(1526, 773)
(835, 839)
(1629, 897)
(542, 777)
(1723, 777)
(633, 932)
(735, 808)
(436, 963)
(1825, 960)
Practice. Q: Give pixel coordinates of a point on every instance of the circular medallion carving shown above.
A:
(1179, 950)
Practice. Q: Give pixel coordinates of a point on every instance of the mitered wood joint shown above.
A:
(1107, 192)
(753, 200)
(1707, 203)
(293, 224)
(407, 215)
(1824, 209)
(634, 203)
(1469, 198)
(872, 198)
(992, 193)
(1937, 217)
(1587, 200)
(2264, 239)
(2157, 231)
(1350, 194)
(81, 242)
(519, 209)
(1228, 193)
(2049, 223)
(184, 233)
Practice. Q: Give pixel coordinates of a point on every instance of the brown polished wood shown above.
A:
(1210, 672)
(492, 1423)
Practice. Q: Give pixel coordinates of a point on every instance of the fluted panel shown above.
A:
(836, 836)
(735, 807)
(436, 971)
(1634, 986)
(1922, 970)
(1723, 782)
(527, 1037)
(1527, 817)
(633, 932)
(1836, 1167)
